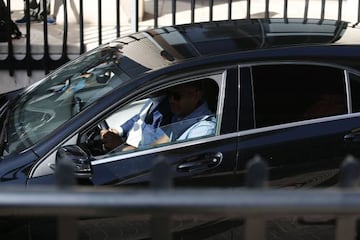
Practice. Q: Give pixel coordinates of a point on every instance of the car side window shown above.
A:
(355, 92)
(289, 93)
(175, 113)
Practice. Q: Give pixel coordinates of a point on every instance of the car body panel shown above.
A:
(305, 154)
(196, 48)
(190, 165)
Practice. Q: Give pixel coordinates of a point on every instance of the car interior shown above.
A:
(91, 140)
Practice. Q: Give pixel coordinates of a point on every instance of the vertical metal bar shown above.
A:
(322, 9)
(65, 178)
(135, 16)
(211, 10)
(256, 173)
(156, 13)
(286, 9)
(345, 228)
(67, 229)
(267, 8)
(10, 45)
(64, 174)
(66, 29)
(256, 177)
(46, 57)
(161, 179)
(7, 19)
(358, 12)
(173, 11)
(28, 57)
(349, 172)
(248, 8)
(193, 11)
(254, 229)
(340, 10)
(117, 18)
(81, 23)
(99, 22)
(349, 177)
(306, 11)
(229, 9)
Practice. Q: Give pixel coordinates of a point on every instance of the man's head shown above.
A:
(185, 98)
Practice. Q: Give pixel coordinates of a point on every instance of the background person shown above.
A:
(33, 9)
(57, 4)
(36, 11)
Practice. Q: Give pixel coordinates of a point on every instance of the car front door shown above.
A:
(205, 161)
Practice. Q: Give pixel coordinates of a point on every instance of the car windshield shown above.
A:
(66, 92)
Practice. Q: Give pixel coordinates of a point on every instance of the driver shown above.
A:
(183, 105)
(143, 126)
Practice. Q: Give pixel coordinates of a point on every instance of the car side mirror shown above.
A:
(80, 160)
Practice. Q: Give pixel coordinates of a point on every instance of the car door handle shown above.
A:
(203, 162)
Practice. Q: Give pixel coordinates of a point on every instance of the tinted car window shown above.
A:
(355, 92)
(288, 93)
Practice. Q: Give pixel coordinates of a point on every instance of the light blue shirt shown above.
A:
(148, 133)
(205, 127)
(199, 123)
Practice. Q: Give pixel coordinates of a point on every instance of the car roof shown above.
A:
(252, 34)
(160, 47)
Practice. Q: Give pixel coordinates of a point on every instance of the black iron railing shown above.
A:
(254, 204)
(26, 61)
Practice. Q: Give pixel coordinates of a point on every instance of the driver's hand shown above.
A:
(111, 139)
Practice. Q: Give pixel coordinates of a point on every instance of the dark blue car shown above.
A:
(286, 89)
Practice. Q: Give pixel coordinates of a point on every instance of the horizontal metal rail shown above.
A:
(254, 203)
(237, 203)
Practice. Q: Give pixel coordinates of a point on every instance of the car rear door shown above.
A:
(302, 119)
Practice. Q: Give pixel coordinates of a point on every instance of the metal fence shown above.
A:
(255, 204)
(9, 61)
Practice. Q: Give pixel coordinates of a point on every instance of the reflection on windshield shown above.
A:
(65, 93)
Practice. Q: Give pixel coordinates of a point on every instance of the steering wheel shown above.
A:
(93, 139)
(103, 125)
